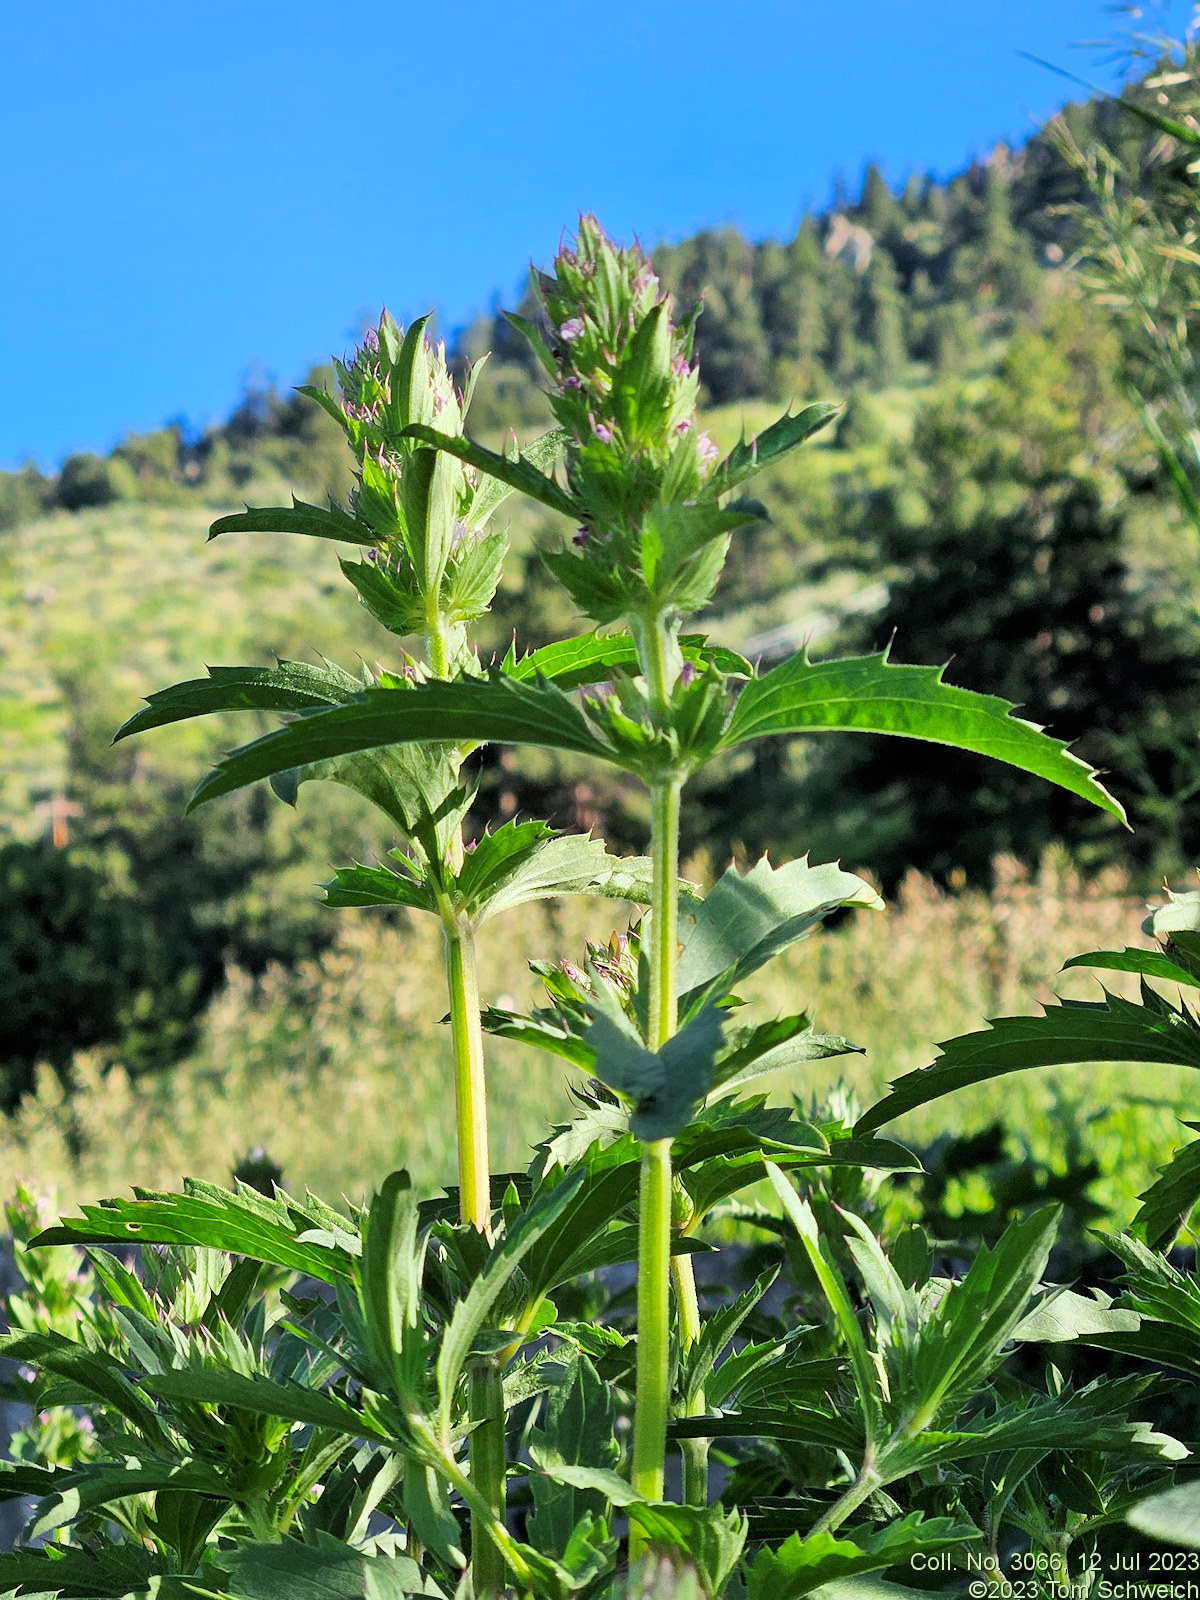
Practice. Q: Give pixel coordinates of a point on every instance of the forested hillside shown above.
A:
(987, 495)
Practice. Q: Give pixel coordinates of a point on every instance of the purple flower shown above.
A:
(707, 449)
(371, 340)
(685, 426)
(582, 537)
(572, 382)
(687, 674)
(603, 432)
(571, 330)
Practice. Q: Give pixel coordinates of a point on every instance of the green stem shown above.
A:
(654, 1221)
(435, 639)
(863, 1487)
(488, 1467)
(695, 1451)
(469, 1085)
(664, 921)
(654, 1325)
(474, 1178)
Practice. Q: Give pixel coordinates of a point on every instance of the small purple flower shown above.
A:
(583, 537)
(572, 382)
(707, 449)
(680, 367)
(371, 340)
(571, 330)
(685, 426)
(603, 432)
(687, 674)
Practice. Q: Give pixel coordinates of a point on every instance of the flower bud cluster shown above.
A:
(625, 382)
(433, 568)
(651, 537)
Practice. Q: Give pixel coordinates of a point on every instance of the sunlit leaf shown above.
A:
(870, 694)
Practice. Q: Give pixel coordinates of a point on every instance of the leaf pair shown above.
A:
(519, 863)
(865, 694)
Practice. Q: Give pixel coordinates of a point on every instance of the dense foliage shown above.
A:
(369, 1439)
(986, 497)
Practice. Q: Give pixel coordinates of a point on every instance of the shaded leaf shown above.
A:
(666, 1086)
(1169, 1201)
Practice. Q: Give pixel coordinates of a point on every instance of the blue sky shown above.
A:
(195, 194)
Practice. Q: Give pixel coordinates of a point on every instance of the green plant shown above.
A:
(416, 1381)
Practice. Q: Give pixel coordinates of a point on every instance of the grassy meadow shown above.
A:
(337, 1064)
(341, 1070)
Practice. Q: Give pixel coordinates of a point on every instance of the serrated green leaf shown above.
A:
(746, 459)
(289, 1401)
(866, 1377)
(490, 493)
(716, 1333)
(94, 1374)
(1064, 1316)
(470, 1314)
(749, 917)
(578, 1429)
(524, 861)
(791, 1424)
(516, 474)
(776, 1047)
(803, 1564)
(542, 1035)
(88, 1487)
(427, 1507)
(290, 686)
(396, 604)
(320, 522)
(328, 1570)
(1150, 963)
(18, 1480)
(1075, 1031)
(75, 1572)
(494, 711)
(472, 577)
(710, 1538)
(962, 1343)
(359, 885)
(871, 694)
(213, 1218)
(392, 1259)
(1170, 1200)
